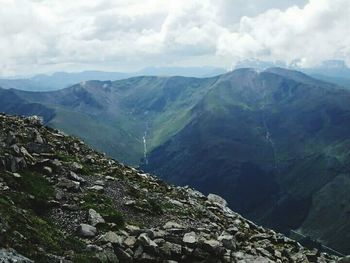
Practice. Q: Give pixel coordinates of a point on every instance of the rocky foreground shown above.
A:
(61, 201)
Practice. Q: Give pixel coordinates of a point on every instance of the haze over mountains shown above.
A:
(334, 71)
(60, 80)
(273, 143)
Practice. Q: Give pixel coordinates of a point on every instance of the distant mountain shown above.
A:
(342, 82)
(333, 71)
(60, 80)
(274, 143)
(330, 68)
(259, 64)
(199, 72)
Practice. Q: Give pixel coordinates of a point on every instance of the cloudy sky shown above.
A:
(125, 35)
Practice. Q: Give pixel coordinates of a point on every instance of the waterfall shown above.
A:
(268, 136)
(144, 139)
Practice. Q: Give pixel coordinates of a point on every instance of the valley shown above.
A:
(273, 143)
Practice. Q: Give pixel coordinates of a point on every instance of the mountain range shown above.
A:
(60, 80)
(273, 143)
(334, 71)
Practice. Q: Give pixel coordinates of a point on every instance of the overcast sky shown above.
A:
(125, 35)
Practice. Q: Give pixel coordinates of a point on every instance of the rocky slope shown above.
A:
(60, 201)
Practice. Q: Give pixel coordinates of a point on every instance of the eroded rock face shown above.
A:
(61, 201)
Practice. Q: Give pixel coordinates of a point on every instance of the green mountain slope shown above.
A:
(115, 116)
(272, 144)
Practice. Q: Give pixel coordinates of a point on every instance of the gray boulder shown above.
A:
(190, 238)
(172, 225)
(110, 237)
(75, 177)
(95, 218)
(86, 230)
(228, 241)
(217, 200)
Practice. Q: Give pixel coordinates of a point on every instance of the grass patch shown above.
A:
(26, 232)
(33, 184)
(104, 205)
(64, 157)
(29, 233)
(155, 207)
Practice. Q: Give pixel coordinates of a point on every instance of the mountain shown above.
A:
(60, 80)
(341, 81)
(333, 71)
(115, 116)
(63, 202)
(198, 72)
(330, 68)
(273, 143)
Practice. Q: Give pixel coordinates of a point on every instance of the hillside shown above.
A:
(63, 202)
(273, 143)
(124, 110)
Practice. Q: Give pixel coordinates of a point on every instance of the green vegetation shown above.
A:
(103, 205)
(64, 157)
(267, 142)
(29, 232)
(36, 190)
(114, 120)
(154, 206)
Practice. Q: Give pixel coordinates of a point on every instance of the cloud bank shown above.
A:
(49, 35)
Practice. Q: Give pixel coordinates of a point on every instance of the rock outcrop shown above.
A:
(61, 201)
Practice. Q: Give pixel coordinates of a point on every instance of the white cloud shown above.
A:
(48, 35)
(308, 35)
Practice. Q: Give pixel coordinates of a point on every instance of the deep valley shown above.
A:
(274, 144)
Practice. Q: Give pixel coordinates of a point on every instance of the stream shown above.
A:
(144, 140)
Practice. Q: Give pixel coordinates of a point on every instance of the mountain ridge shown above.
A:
(229, 134)
(61, 80)
(310, 122)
